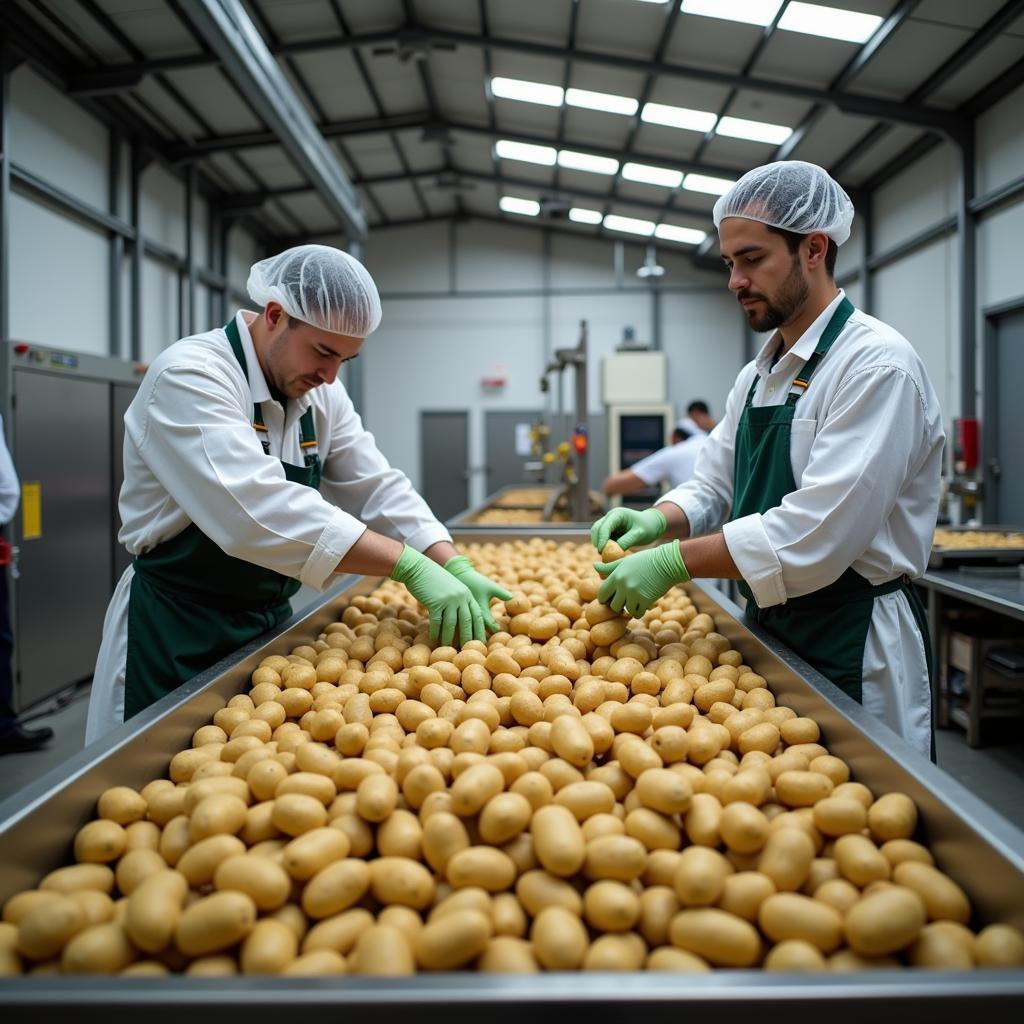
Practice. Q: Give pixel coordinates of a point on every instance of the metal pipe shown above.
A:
(5, 194)
(138, 251)
(581, 496)
(968, 276)
(190, 250)
(115, 249)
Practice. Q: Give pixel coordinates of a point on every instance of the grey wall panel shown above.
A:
(444, 461)
(121, 396)
(62, 441)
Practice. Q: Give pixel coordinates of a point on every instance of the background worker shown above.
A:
(247, 472)
(672, 464)
(823, 476)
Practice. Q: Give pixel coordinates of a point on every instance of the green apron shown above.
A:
(190, 604)
(827, 628)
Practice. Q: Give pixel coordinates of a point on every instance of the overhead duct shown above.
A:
(234, 39)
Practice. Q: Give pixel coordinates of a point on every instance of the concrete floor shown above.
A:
(995, 772)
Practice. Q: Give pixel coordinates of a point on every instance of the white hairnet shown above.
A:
(792, 195)
(321, 286)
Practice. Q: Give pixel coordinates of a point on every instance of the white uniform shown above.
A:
(866, 452)
(10, 489)
(673, 464)
(191, 456)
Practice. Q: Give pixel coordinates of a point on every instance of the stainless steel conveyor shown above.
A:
(982, 851)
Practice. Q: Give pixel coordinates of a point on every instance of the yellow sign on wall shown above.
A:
(31, 511)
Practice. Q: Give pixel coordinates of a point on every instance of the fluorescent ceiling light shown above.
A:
(509, 150)
(752, 12)
(654, 1)
(635, 227)
(831, 22)
(528, 92)
(601, 101)
(756, 131)
(527, 207)
(582, 216)
(678, 117)
(664, 176)
(705, 183)
(672, 233)
(587, 162)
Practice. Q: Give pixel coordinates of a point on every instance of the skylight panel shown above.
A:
(512, 204)
(664, 176)
(509, 150)
(527, 92)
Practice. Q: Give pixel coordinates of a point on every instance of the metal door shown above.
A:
(1004, 366)
(62, 444)
(504, 447)
(444, 462)
(121, 396)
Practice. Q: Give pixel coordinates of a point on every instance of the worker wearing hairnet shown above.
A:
(247, 472)
(823, 476)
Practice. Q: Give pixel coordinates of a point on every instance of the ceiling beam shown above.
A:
(524, 184)
(419, 36)
(227, 28)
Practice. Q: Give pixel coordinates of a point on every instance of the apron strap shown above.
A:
(307, 428)
(832, 331)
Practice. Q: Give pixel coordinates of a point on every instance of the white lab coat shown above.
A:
(674, 464)
(10, 489)
(866, 453)
(191, 456)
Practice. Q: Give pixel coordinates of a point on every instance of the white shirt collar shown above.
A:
(806, 343)
(257, 382)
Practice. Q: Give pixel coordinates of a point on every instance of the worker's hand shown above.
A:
(449, 601)
(483, 589)
(633, 584)
(629, 527)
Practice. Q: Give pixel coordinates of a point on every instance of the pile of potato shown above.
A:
(516, 516)
(965, 540)
(523, 497)
(582, 792)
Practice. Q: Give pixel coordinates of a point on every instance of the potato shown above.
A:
(893, 816)
(79, 876)
(999, 945)
(884, 922)
(99, 949)
(452, 940)
(403, 881)
(559, 939)
(744, 892)
(557, 840)
(382, 950)
(336, 887)
(615, 952)
(943, 899)
(264, 880)
(610, 906)
(665, 791)
(505, 954)
(718, 937)
(700, 876)
(121, 804)
(786, 858)
(795, 955)
(214, 923)
(339, 932)
(154, 909)
(860, 861)
(47, 927)
(268, 949)
(315, 964)
(482, 866)
(667, 958)
(789, 915)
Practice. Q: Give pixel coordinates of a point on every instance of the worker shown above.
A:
(823, 477)
(672, 464)
(247, 472)
(15, 738)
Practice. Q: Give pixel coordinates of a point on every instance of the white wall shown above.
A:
(58, 266)
(431, 352)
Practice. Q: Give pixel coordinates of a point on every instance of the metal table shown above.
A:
(981, 850)
(996, 590)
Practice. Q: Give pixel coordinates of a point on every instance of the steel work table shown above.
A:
(999, 591)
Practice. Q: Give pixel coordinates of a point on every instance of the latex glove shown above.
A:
(484, 590)
(448, 600)
(633, 584)
(628, 526)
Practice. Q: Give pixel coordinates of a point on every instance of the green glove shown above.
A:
(482, 589)
(629, 527)
(633, 584)
(448, 600)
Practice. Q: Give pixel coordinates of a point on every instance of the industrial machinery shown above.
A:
(980, 850)
(571, 456)
(64, 413)
(634, 389)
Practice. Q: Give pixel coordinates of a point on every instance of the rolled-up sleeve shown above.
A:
(198, 442)
(862, 454)
(706, 499)
(358, 478)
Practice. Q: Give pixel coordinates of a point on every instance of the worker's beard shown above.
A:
(783, 306)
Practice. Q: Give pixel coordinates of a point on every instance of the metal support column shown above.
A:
(545, 311)
(211, 264)
(138, 164)
(354, 380)
(223, 236)
(115, 251)
(656, 318)
(867, 280)
(189, 317)
(967, 252)
(5, 193)
(581, 496)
